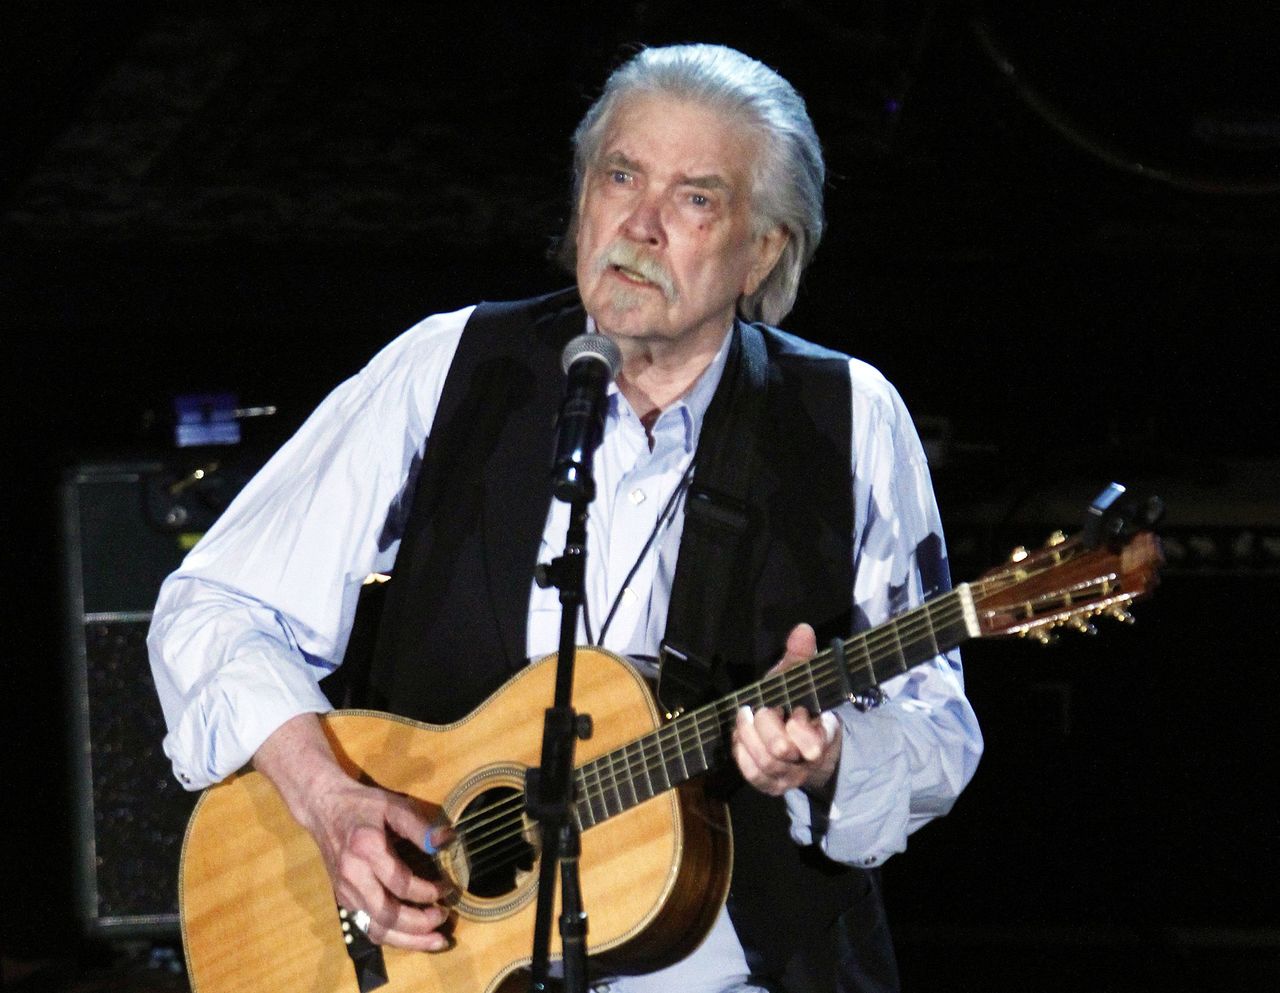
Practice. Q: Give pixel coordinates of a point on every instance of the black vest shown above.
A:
(469, 548)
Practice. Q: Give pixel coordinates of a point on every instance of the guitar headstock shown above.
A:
(1114, 561)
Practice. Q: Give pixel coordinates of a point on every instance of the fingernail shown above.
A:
(830, 725)
(747, 714)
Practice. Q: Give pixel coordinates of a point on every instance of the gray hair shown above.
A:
(789, 174)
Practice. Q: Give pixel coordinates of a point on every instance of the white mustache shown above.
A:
(627, 256)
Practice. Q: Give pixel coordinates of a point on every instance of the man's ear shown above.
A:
(768, 248)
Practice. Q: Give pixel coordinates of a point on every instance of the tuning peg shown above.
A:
(1018, 554)
(1121, 615)
(1043, 635)
(1083, 626)
(1055, 539)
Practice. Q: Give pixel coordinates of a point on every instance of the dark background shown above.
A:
(1056, 233)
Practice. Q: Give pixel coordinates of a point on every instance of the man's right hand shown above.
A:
(350, 823)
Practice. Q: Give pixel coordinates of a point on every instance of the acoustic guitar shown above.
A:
(258, 909)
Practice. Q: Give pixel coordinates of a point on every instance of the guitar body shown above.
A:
(258, 910)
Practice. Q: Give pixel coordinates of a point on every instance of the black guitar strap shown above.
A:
(718, 526)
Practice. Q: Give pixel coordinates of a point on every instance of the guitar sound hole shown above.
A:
(495, 840)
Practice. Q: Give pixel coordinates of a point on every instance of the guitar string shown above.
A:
(610, 780)
(777, 689)
(497, 843)
(814, 674)
(501, 848)
(817, 673)
(596, 780)
(791, 675)
(798, 671)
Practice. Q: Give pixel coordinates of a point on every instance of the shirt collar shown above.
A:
(691, 408)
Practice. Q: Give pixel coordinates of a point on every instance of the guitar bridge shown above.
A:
(366, 957)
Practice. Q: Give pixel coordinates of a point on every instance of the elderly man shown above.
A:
(698, 203)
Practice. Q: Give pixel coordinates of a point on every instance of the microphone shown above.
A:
(590, 361)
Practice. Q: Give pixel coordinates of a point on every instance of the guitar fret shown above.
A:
(599, 812)
(704, 761)
(828, 682)
(611, 790)
(896, 628)
(867, 667)
(933, 634)
(644, 765)
(617, 764)
(662, 762)
(694, 756)
(629, 777)
(599, 802)
(586, 816)
(920, 649)
(672, 754)
(726, 716)
(684, 769)
(582, 806)
(770, 690)
(924, 622)
(815, 706)
(951, 633)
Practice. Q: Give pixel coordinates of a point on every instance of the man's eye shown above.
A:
(619, 176)
(699, 199)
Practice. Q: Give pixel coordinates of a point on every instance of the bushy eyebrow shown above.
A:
(714, 181)
(616, 160)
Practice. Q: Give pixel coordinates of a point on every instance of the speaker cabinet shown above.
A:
(126, 525)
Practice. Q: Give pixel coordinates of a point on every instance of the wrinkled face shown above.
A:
(664, 240)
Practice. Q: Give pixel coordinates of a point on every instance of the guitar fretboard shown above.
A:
(698, 741)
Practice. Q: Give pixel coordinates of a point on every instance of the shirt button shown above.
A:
(636, 496)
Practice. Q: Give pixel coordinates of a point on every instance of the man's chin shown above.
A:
(625, 312)
(624, 330)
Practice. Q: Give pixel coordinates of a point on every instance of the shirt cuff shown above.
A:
(866, 819)
(226, 722)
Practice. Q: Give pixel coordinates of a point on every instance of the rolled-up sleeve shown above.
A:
(262, 608)
(904, 762)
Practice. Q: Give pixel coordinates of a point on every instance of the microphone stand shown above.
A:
(549, 789)
(590, 361)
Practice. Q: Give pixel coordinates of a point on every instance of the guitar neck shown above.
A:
(697, 742)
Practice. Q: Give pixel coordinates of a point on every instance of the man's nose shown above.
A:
(644, 223)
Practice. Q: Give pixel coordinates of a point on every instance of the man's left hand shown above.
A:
(777, 754)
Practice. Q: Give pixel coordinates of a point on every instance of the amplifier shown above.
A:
(125, 526)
